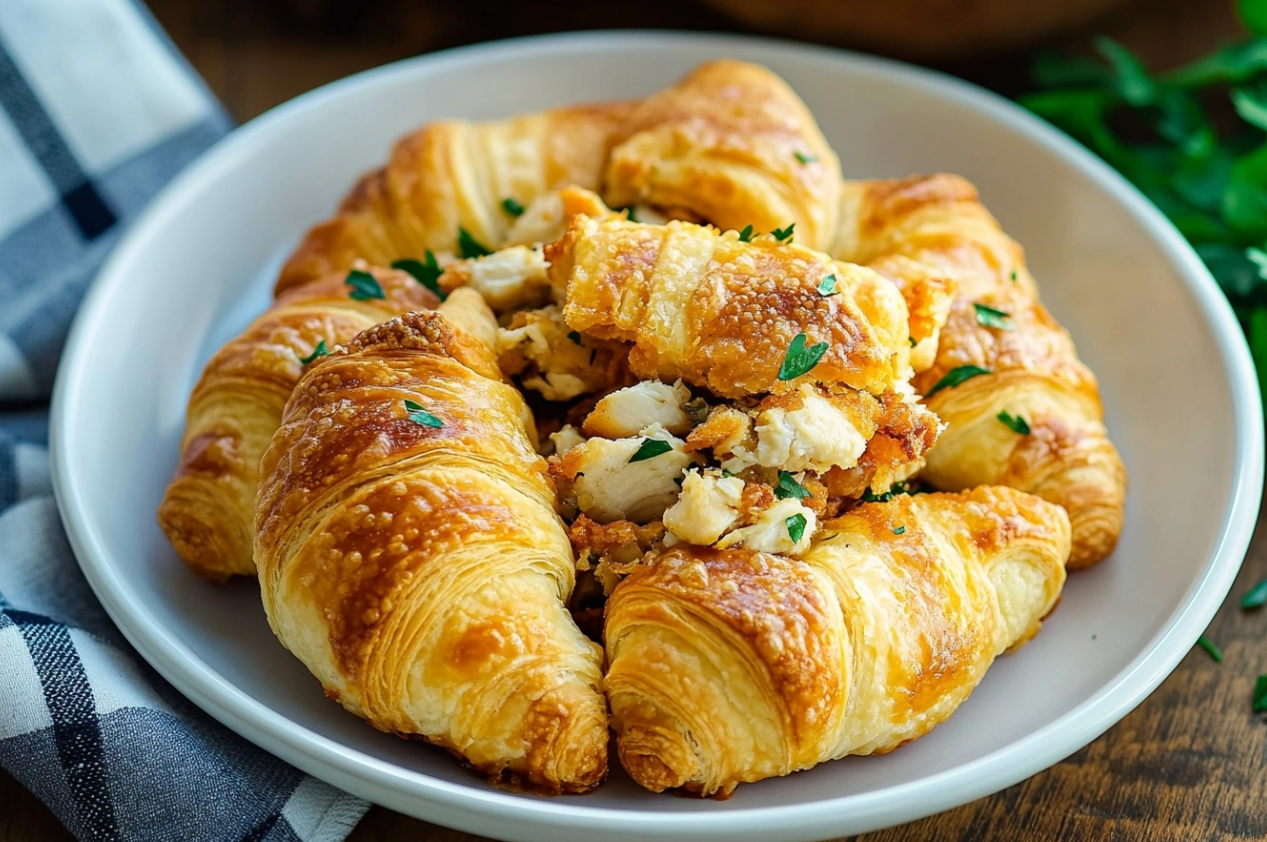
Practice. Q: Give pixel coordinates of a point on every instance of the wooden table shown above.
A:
(1189, 764)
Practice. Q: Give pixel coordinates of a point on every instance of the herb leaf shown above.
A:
(1210, 649)
(512, 207)
(426, 272)
(1260, 694)
(989, 317)
(320, 351)
(746, 235)
(649, 449)
(805, 158)
(574, 336)
(789, 487)
(800, 359)
(1015, 423)
(468, 246)
(1130, 78)
(418, 415)
(364, 286)
(796, 527)
(899, 487)
(1255, 597)
(784, 234)
(956, 376)
(899, 530)
(630, 213)
(827, 286)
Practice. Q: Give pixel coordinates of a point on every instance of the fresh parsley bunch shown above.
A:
(1158, 131)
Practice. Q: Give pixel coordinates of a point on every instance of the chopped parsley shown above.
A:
(746, 235)
(804, 158)
(1015, 423)
(317, 353)
(1013, 276)
(512, 207)
(827, 286)
(956, 376)
(899, 530)
(649, 449)
(418, 415)
(801, 359)
(426, 272)
(989, 317)
(630, 213)
(900, 487)
(789, 487)
(1210, 649)
(796, 527)
(911, 340)
(1255, 597)
(364, 286)
(574, 336)
(468, 246)
(1260, 694)
(784, 235)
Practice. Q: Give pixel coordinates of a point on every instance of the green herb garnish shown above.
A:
(800, 359)
(426, 272)
(899, 530)
(784, 234)
(364, 286)
(827, 286)
(512, 207)
(900, 487)
(746, 235)
(1013, 276)
(1210, 649)
(911, 340)
(956, 376)
(804, 158)
(796, 527)
(468, 246)
(630, 213)
(789, 487)
(1260, 694)
(989, 317)
(1255, 597)
(1015, 423)
(418, 415)
(317, 353)
(649, 449)
(575, 336)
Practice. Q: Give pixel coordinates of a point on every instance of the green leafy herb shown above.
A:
(1210, 649)
(697, 409)
(364, 286)
(800, 359)
(827, 286)
(900, 487)
(574, 336)
(1012, 275)
(630, 213)
(418, 415)
(989, 317)
(956, 376)
(789, 487)
(426, 271)
(1260, 694)
(806, 159)
(796, 527)
(899, 530)
(512, 207)
(317, 353)
(746, 235)
(649, 449)
(784, 234)
(911, 341)
(1255, 597)
(1015, 423)
(468, 246)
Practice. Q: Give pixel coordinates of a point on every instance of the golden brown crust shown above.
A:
(732, 666)
(209, 506)
(391, 552)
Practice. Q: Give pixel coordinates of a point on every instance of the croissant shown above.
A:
(410, 555)
(734, 666)
(719, 312)
(208, 509)
(1059, 448)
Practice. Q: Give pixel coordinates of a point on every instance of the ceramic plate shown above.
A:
(1179, 391)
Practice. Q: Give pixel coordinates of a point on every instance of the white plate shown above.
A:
(1179, 389)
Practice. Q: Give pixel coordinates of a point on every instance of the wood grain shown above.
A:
(1189, 764)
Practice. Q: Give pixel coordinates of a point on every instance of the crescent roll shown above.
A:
(715, 311)
(733, 666)
(411, 557)
(208, 509)
(1059, 448)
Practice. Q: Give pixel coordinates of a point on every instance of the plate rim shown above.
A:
(487, 810)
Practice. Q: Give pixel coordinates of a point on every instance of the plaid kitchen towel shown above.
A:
(97, 112)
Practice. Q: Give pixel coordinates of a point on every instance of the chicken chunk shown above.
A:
(708, 506)
(786, 528)
(628, 411)
(626, 479)
(509, 278)
(555, 360)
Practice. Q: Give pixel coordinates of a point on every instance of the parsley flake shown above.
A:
(911, 340)
(426, 272)
(1015, 423)
(899, 487)
(989, 317)
(800, 359)
(804, 158)
(1255, 597)
(1210, 649)
(630, 213)
(784, 235)
(468, 246)
(899, 530)
(317, 353)
(574, 336)
(1013, 276)
(746, 235)
(796, 527)
(418, 415)
(364, 286)
(649, 449)
(827, 286)
(789, 487)
(1260, 694)
(512, 207)
(956, 376)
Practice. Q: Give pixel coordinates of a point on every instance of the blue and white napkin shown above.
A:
(97, 112)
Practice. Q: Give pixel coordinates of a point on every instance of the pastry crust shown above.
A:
(733, 666)
(208, 509)
(421, 571)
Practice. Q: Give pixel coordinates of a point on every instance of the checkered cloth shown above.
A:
(97, 112)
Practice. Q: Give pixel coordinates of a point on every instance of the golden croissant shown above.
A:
(208, 510)
(733, 666)
(1034, 421)
(410, 555)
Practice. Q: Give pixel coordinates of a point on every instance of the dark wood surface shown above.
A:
(1189, 764)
